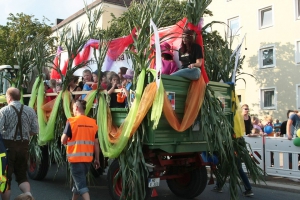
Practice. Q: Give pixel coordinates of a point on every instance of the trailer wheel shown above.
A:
(116, 191)
(39, 171)
(191, 185)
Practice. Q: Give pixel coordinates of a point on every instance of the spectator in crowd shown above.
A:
(293, 124)
(256, 130)
(268, 121)
(277, 127)
(248, 189)
(247, 119)
(283, 124)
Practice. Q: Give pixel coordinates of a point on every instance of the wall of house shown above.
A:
(80, 19)
(281, 36)
(108, 9)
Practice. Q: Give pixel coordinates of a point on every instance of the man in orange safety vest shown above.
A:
(80, 136)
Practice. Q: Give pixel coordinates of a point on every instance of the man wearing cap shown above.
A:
(17, 123)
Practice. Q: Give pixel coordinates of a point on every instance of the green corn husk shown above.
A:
(90, 101)
(46, 129)
(114, 150)
(66, 103)
(158, 103)
(34, 93)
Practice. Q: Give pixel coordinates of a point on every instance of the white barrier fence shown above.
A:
(277, 156)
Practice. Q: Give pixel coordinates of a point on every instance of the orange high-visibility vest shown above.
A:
(80, 147)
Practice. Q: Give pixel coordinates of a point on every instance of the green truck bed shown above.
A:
(165, 137)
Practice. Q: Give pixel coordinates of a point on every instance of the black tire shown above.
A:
(191, 185)
(115, 192)
(39, 171)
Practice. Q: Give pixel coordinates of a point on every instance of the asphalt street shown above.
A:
(55, 187)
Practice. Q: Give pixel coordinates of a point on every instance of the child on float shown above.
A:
(94, 84)
(127, 83)
(114, 83)
(169, 66)
(58, 87)
(103, 80)
(87, 80)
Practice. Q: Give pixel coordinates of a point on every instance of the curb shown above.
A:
(282, 184)
(277, 186)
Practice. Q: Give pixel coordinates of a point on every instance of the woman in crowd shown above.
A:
(190, 56)
(72, 87)
(247, 119)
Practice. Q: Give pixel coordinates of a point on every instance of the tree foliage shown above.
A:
(121, 26)
(20, 30)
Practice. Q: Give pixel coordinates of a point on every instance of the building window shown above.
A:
(297, 52)
(267, 57)
(268, 98)
(233, 26)
(240, 98)
(297, 9)
(265, 17)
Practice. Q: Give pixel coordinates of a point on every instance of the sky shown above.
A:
(51, 9)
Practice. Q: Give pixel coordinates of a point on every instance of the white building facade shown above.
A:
(80, 19)
(272, 50)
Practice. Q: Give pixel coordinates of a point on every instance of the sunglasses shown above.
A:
(246, 108)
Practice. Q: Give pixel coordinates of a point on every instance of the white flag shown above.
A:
(157, 53)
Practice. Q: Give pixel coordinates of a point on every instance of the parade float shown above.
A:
(173, 127)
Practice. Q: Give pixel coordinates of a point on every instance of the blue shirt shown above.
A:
(277, 127)
(85, 88)
(296, 123)
(128, 86)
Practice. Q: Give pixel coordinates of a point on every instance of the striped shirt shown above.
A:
(9, 121)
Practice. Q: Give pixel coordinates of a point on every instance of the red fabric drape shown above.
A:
(117, 46)
(54, 74)
(82, 57)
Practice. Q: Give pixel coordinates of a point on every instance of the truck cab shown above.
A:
(6, 72)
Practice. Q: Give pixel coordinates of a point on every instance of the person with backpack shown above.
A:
(18, 123)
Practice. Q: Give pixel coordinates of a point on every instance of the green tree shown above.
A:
(20, 30)
(173, 9)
